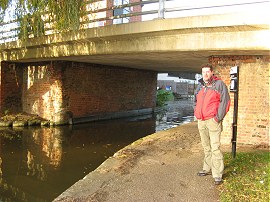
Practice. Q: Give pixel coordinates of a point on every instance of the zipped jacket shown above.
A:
(212, 100)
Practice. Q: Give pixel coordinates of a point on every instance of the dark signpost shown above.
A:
(234, 87)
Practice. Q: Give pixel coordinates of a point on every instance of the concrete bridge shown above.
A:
(110, 71)
(176, 44)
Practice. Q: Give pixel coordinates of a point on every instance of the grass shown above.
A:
(246, 177)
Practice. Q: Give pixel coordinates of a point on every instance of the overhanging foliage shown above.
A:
(61, 15)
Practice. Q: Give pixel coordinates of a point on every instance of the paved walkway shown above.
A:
(158, 168)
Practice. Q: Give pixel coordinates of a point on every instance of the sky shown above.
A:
(214, 7)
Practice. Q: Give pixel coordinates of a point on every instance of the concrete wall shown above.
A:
(253, 103)
(58, 91)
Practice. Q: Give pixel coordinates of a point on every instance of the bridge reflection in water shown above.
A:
(39, 163)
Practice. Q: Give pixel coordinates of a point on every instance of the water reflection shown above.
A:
(38, 164)
(174, 113)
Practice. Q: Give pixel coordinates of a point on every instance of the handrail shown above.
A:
(213, 6)
(9, 31)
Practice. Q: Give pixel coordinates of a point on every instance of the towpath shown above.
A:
(161, 167)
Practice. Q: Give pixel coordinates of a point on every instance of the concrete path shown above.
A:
(158, 168)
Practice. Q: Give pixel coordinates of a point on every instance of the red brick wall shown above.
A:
(133, 9)
(107, 89)
(53, 89)
(109, 13)
(11, 84)
(42, 90)
(253, 102)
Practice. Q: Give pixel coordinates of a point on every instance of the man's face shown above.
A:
(206, 73)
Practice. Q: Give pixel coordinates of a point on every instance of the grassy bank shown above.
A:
(246, 177)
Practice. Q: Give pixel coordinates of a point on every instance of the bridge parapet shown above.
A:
(160, 45)
(102, 13)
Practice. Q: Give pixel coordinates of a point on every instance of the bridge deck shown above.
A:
(179, 44)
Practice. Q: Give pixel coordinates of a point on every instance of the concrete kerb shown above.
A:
(159, 167)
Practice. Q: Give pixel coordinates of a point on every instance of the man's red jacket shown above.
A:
(212, 100)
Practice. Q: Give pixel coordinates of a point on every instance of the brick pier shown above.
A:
(61, 91)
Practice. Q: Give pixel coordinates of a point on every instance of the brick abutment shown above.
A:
(253, 97)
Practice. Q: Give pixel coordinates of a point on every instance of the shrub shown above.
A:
(163, 96)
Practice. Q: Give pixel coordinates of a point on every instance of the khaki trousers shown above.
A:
(210, 132)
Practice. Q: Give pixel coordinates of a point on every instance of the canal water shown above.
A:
(39, 163)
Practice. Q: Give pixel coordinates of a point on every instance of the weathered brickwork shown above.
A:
(42, 90)
(11, 84)
(98, 89)
(136, 9)
(110, 12)
(253, 102)
(59, 90)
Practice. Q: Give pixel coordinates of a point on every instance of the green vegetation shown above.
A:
(62, 15)
(19, 117)
(246, 177)
(163, 96)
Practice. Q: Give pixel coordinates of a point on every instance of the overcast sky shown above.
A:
(190, 7)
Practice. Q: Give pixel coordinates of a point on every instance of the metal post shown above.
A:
(161, 9)
(235, 115)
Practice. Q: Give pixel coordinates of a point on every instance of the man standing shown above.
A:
(212, 103)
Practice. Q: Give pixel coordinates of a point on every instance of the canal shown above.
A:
(39, 163)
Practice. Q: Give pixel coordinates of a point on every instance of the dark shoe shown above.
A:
(218, 180)
(203, 173)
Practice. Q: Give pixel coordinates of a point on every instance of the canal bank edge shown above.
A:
(158, 167)
(24, 119)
